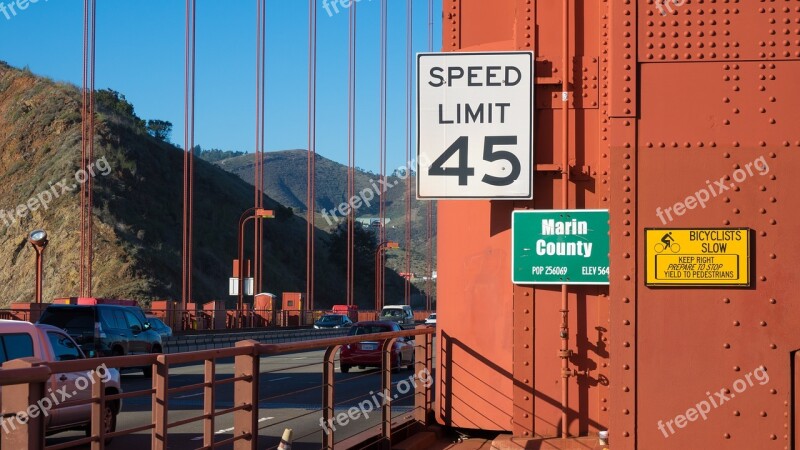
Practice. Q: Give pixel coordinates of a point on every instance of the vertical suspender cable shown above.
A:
(380, 266)
(409, 79)
(87, 147)
(564, 332)
(191, 153)
(188, 154)
(429, 212)
(351, 154)
(258, 225)
(90, 155)
(311, 199)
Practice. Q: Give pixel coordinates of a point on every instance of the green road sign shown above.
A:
(559, 247)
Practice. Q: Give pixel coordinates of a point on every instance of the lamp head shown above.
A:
(38, 238)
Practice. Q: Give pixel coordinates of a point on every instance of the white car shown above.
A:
(431, 320)
(20, 339)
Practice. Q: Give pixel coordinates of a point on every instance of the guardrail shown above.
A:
(225, 319)
(24, 381)
(195, 342)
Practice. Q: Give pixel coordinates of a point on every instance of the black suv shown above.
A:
(106, 330)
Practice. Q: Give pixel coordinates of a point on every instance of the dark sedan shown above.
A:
(333, 321)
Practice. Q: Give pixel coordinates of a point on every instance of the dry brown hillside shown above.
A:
(137, 211)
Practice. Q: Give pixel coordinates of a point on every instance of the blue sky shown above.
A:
(140, 53)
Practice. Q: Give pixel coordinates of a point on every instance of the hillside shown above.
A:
(137, 208)
(285, 181)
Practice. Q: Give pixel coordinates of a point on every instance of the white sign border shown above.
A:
(551, 283)
(532, 124)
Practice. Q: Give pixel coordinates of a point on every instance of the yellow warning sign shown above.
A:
(697, 257)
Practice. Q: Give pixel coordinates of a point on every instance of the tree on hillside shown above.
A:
(159, 129)
(365, 244)
(111, 101)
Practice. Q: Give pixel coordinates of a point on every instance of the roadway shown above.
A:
(290, 396)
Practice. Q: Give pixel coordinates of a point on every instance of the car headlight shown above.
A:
(336, 326)
(316, 327)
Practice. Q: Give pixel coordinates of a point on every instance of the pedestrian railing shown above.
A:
(25, 384)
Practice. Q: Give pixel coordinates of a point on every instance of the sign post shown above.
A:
(475, 125)
(560, 247)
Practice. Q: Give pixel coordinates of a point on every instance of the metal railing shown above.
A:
(225, 319)
(24, 383)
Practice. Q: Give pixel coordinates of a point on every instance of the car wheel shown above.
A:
(345, 368)
(398, 364)
(109, 420)
(147, 371)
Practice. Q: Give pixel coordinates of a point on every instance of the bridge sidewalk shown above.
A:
(431, 440)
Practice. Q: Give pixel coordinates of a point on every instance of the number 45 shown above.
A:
(463, 171)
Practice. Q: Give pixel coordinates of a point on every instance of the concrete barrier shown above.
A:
(190, 343)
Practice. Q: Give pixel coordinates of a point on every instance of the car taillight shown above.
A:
(98, 331)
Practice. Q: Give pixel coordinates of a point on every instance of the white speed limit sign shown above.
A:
(475, 125)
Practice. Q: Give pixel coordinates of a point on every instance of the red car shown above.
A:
(368, 353)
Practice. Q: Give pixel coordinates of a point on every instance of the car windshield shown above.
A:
(369, 329)
(392, 313)
(69, 318)
(330, 319)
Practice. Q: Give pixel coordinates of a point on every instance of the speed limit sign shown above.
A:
(475, 125)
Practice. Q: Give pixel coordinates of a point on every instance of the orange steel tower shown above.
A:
(676, 117)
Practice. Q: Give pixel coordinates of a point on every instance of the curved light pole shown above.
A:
(379, 271)
(38, 240)
(249, 214)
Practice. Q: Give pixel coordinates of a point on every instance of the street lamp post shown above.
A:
(249, 214)
(379, 271)
(38, 240)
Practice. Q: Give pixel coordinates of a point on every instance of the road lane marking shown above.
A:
(190, 395)
(228, 430)
(281, 379)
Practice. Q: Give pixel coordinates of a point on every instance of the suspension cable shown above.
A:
(258, 225)
(429, 212)
(382, 161)
(87, 147)
(311, 199)
(188, 154)
(351, 155)
(409, 79)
